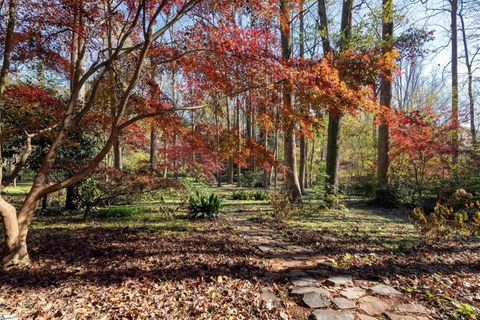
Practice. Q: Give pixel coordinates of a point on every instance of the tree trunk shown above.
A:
(303, 163)
(153, 148)
(291, 176)
(454, 39)
(239, 147)
(303, 142)
(70, 203)
(335, 120)
(117, 155)
(383, 159)
(8, 212)
(8, 45)
(333, 148)
(471, 98)
(230, 169)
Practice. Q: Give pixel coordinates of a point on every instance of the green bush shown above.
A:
(252, 179)
(240, 195)
(260, 195)
(246, 195)
(204, 207)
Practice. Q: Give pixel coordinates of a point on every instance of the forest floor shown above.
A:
(150, 265)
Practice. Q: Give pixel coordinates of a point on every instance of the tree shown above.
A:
(291, 177)
(385, 94)
(7, 211)
(469, 60)
(454, 62)
(335, 118)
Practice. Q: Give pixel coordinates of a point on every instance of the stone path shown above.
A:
(338, 297)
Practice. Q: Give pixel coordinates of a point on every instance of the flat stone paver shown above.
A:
(339, 281)
(353, 293)
(304, 283)
(393, 316)
(343, 303)
(372, 305)
(316, 300)
(365, 317)
(383, 289)
(303, 290)
(412, 308)
(332, 315)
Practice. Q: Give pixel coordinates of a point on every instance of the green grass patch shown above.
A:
(391, 229)
(19, 190)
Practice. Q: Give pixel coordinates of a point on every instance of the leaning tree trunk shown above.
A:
(153, 148)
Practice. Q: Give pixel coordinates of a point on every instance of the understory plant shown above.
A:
(458, 216)
(204, 207)
(246, 195)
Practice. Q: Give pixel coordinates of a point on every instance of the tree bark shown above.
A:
(383, 159)
(291, 175)
(117, 155)
(471, 98)
(335, 119)
(153, 148)
(7, 52)
(454, 65)
(239, 146)
(303, 143)
(8, 212)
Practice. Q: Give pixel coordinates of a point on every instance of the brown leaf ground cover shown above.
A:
(152, 268)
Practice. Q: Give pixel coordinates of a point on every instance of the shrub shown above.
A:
(109, 186)
(252, 179)
(260, 195)
(240, 195)
(246, 195)
(204, 207)
(282, 207)
(458, 216)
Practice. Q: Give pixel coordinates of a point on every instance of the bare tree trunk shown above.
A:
(310, 171)
(8, 46)
(468, 63)
(333, 148)
(303, 142)
(230, 168)
(454, 39)
(303, 163)
(335, 120)
(239, 169)
(291, 175)
(383, 159)
(153, 148)
(117, 155)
